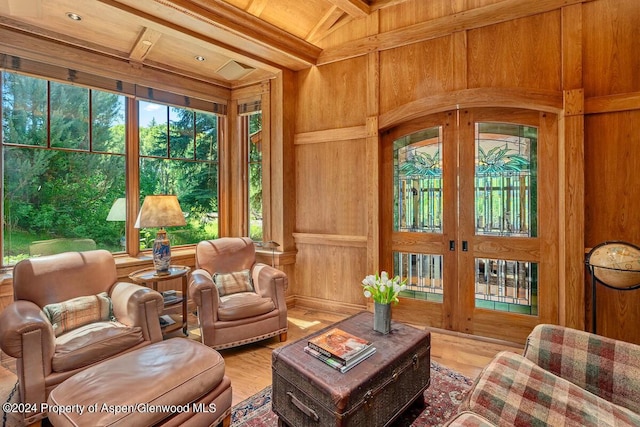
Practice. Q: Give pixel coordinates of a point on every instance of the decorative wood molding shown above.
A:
(496, 13)
(329, 135)
(330, 240)
(535, 99)
(612, 103)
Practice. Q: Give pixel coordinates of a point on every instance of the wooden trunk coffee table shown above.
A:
(307, 392)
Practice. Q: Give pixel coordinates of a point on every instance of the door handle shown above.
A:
(452, 245)
(465, 246)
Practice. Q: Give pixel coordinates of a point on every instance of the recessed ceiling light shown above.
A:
(200, 58)
(74, 16)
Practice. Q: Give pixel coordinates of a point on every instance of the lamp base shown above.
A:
(161, 253)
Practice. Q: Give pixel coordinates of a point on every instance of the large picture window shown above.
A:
(63, 167)
(179, 155)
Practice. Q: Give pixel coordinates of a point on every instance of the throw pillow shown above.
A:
(76, 312)
(231, 283)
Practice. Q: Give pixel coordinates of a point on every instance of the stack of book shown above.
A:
(339, 349)
(170, 297)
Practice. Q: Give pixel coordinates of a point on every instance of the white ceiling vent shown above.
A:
(233, 70)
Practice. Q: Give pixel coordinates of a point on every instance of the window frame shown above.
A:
(132, 93)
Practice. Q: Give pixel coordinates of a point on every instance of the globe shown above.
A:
(616, 264)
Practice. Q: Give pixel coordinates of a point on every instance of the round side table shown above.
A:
(148, 277)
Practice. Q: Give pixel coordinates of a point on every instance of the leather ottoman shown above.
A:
(169, 383)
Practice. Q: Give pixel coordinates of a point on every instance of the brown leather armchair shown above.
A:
(231, 311)
(85, 330)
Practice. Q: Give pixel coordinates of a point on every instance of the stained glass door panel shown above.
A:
(505, 199)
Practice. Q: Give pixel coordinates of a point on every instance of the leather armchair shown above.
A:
(237, 318)
(45, 359)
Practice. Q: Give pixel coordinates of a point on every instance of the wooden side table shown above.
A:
(148, 277)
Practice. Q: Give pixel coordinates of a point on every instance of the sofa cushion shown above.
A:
(468, 419)
(68, 315)
(243, 305)
(604, 366)
(514, 391)
(93, 342)
(231, 283)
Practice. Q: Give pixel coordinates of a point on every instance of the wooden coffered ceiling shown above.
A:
(241, 41)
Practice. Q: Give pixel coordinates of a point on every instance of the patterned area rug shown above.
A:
(441, 401)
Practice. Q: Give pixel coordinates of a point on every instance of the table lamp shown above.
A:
(118, 212)
(160, 211)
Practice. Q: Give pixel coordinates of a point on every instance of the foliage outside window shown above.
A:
(254, 123)
(179, 155)
(63, 167)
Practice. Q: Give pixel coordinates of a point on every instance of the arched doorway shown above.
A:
(469, 217)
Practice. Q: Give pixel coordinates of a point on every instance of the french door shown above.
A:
(469, 202)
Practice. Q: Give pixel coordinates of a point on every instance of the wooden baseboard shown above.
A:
(326, 305)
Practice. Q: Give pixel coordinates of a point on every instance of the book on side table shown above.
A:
(339, 349)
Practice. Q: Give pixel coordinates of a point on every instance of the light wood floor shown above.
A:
(249, 366)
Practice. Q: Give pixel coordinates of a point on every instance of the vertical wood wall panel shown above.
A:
(332, 96)
(611, 46)
(331, 273)
(520, 53)
(414, 12)
(415, 71)
(612, 203)
(330, 188)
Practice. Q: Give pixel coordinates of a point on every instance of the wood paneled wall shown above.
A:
(577, 58)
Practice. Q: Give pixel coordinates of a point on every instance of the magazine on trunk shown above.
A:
(335, 364)
(339, 345)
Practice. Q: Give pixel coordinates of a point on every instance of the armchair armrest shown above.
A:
(604, 366)
(22, 317)
(135, 305)
(270, 282)
(204, 293)
(199, 282)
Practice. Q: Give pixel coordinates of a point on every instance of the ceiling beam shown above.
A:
(29, 46)
(326, 22)
(247, 27)
(506, 10)
(177, 31)
(355, 8)
(146, 40)
(23, 8)
(257, 6)
(381, 4)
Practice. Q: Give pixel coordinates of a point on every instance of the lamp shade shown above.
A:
(118, 210)
(160, 211)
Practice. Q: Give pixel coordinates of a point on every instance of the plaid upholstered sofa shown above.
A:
(565, 377)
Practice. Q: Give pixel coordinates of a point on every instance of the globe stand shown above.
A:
(616, 265)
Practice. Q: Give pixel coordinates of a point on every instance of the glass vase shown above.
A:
(382, 317)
